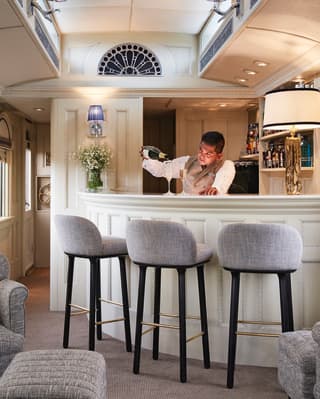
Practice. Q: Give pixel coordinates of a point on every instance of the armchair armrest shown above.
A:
(12, 299)
(316, 332)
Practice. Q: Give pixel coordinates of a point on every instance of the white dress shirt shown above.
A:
(223, 178)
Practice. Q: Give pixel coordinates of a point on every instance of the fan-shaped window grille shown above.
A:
(5, 136)
(131, 59)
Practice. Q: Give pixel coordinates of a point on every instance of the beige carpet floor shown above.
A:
(157, 379)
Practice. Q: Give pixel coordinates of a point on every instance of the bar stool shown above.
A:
(258, 248)
(80, 238)
(161, 244)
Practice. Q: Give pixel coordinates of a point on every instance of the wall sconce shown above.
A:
(292, 109)
(95, 119)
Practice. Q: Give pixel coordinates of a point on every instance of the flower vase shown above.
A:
(94, 182)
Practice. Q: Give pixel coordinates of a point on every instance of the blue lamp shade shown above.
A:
(95, 113)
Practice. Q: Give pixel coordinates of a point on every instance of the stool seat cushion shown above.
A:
(113, 246)
(55, 374)
(81, 237)
(260, 247)
(204, 253)
(297, 364)
(160, 243)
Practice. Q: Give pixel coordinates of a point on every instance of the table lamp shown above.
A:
(293, 110)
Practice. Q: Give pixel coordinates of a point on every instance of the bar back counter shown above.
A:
(259, 294)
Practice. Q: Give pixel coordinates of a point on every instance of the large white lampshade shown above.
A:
(292, 109)
(298, 108)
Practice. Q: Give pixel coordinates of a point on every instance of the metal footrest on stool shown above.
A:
(170, 326)
(261, 323)
(83, 310)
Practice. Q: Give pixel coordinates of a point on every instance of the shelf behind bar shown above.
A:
(273, 170)
(275, 135)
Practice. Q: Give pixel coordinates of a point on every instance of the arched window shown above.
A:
(130, 59)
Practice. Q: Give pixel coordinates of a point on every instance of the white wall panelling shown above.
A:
(123, 134)
(259, 298)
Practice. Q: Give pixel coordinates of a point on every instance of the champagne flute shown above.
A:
(168, 175)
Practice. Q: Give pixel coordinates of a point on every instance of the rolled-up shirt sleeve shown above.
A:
(157, 168)
(224, 177)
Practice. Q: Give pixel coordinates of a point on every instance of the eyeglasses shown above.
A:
(206, 154)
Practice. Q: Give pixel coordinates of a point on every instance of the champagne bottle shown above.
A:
(152, 152)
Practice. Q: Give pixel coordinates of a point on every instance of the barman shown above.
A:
(206, 173)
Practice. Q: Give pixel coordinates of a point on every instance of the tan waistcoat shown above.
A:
(198, 179)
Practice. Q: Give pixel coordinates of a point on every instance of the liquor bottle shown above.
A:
(306, 158)
(269, 157)
(152, 152)
(281, 156)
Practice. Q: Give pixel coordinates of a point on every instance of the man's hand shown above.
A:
(141, 154)
(209, 191)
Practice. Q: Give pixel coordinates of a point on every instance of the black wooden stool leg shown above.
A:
(92, 308)
(98, 301)
(203, 315)
(125, 302)
(182, 324)
(286, 302)
(234, 305)
(137, 345)
(156, 312)
(68, 301)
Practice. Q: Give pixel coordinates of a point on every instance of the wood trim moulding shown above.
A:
(233, 204)
(75, 92)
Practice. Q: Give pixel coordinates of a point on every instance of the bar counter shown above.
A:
(259, 294)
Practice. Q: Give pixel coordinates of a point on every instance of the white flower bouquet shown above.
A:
(94, 157)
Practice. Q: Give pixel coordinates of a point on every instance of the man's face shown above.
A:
(207, 154)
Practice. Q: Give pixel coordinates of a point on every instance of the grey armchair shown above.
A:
(12, 315)
(299, 363)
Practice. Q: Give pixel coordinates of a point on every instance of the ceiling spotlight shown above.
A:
(222, 105)
(38, 109)
(241, 80)
(298, 79)
(260, 64)
(249, 72)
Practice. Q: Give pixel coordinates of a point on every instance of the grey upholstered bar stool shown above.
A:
(81, 238)
(258, 248)
(161, 244)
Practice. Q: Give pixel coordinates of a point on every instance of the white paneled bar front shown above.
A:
(259, 294)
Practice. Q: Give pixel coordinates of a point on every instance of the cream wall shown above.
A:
(190, 124)
(17, 231)
(123, 130)
(42, 210)
(177, 54)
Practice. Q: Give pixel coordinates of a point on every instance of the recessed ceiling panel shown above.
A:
(8, 17)
(100, 19)
(298, 17)
(184, 16)
(277, 49)
(167, 20)
(21, 61)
